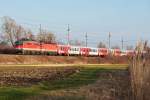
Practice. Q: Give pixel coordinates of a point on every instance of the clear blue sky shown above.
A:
(129, 19)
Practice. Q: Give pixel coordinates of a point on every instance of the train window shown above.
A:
(72, 49)
(76, 49)
(93, 50)
(90, 50)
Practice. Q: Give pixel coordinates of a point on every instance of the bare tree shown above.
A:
(101, 45)
(29, 35)
(12, 30)
(46, 36)
(3, 39)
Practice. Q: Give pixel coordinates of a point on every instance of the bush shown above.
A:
(8, 50)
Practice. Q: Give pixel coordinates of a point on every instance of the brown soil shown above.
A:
(31, 76)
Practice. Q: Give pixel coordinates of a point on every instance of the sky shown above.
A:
(127, 19)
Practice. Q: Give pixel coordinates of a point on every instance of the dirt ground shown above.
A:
(31, 76)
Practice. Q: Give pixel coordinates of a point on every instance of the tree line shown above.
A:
(12, 32)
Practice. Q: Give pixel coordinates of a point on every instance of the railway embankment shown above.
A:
(43, 59)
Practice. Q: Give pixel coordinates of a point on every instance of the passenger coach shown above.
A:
(74, 50)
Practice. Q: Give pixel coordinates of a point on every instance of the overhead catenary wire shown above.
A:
(93, 38)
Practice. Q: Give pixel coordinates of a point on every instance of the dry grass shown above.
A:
(140, 72)
(110, 85)
(43, 59)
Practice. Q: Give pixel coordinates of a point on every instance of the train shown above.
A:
(35, 47)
